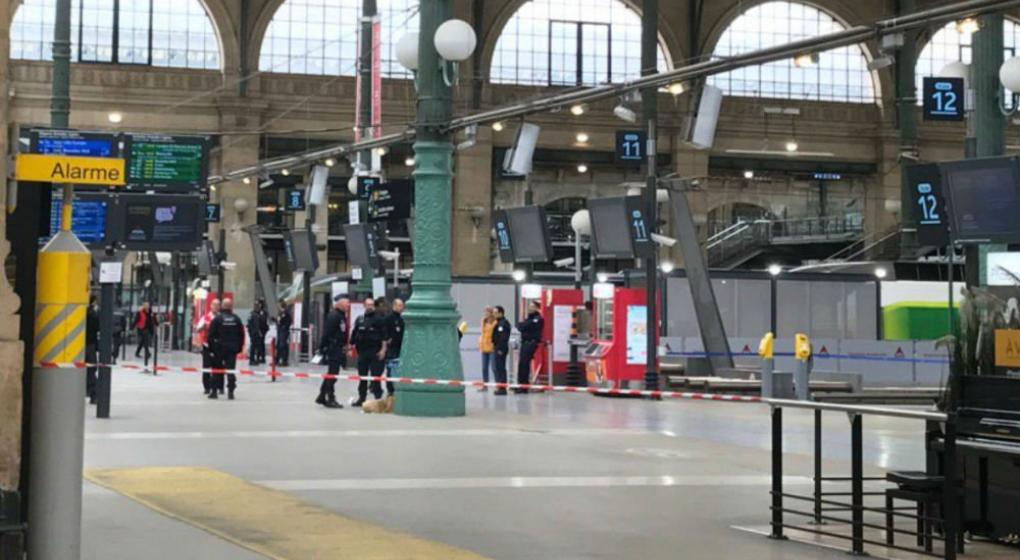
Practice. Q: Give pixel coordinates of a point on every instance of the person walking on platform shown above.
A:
(258, 326)
(145, 326)
(283, 323)
(203, 339)
(531, 336)
(500, 347)
(91, 348)
(119, 326)
(485, 344)
(395, 340)
(369, 339)
(226, 338)
(333, 347)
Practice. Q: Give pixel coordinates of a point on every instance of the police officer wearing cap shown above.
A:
(501, 348)
(333, 347)
(531, 336)
(226, 339)
(369, 337)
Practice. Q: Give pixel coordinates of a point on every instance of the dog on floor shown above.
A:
(381, 406)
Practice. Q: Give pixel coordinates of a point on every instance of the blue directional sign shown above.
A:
(931, 211)
(943, 99)
(295, 200)
(212, 213)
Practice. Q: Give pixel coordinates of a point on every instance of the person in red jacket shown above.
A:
(145, 325)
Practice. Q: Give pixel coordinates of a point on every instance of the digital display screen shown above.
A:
(301, 244)
(362, 245)
(504, 243)
(985, 199)
(390, 202)
(162, 223)
(88, 220)
(943, 99)
(630, 145)
(610, 228)
(930, 207)
(71, 143)
(530, 234)
(167, 161)
(366, 185)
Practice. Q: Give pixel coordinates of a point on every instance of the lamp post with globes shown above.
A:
(431, 347)
(774, 271)
(880, 274)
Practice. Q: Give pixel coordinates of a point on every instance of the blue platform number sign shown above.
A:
(929, 204)
(637, 223)
(212, 213)
(943, 99)
(295, 200)
(630, 145)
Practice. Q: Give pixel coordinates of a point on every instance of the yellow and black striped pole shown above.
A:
(58, 396)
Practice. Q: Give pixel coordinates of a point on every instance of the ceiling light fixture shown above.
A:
(749, 174)
(805, 60)
(582, 168)
(582, 137)
(115, 117)
(676, 88)
(330, 162)
(497, 126)
(968, 26)
(577, 110)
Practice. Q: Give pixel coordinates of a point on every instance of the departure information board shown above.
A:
(88, 220)
(73, 143)
(168, 163)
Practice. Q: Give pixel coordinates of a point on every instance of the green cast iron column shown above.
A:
(431, 346)
(990, 123)
(906, 114)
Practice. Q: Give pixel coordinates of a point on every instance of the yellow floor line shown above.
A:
(269, 522)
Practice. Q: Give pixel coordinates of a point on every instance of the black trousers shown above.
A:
(208, 361)
(499, 366)
(370, 365)
(258, 349)
(528, 348)
(228, 361)
(118, 341)
(328, 387)
(144, 341)
(282, 348)
(91, 378)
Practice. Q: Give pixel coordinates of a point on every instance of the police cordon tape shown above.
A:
(817, 356)
(421, 381)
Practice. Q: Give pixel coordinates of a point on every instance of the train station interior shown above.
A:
(510, 279)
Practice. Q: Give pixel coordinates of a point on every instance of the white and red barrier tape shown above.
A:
(426, 381)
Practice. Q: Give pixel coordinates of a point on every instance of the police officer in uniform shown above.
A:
(531, 337)
(91, 348)
(258, 325)
(283, 323)
(395, 332)
(333, 347)
(226, 338)
(369, 338)
(501, 347)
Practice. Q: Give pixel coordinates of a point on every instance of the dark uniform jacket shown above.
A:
(531, 327)
(369, 333)
(258, 324)
(226, 336)
(283, 324)
(501, 336)
(334, 336)
(395, 333)
(91, 327)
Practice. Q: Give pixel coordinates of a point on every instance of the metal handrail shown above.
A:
(860, 409)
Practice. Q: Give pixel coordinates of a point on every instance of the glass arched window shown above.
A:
(320, 37)
(950, 44)
(570, 43)
(176, 34)
(838, 75)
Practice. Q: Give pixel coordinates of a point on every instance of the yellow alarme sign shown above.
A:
(69, 169)
(1007, 348)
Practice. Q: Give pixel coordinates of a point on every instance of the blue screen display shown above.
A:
(88, 147)
(88, 220)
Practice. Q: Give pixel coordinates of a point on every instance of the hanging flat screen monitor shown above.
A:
(89, 217)
(610, 228)
(161, 222)
(529, 231)
(166, 163)
(984, 199)
(363, 244)
(301, 246)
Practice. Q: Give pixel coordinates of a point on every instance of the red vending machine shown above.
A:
(557, 309)
(618, 352)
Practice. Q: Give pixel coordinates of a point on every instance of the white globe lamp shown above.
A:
(956, 69)
(455, 40)
(580, 222)
(407, 51)
(1009, 74)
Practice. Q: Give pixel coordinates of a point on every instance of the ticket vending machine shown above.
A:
(617, 355)
(557, 306)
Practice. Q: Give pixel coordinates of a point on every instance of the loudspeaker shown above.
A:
(317, 186)
(701, 127)
(518, 158)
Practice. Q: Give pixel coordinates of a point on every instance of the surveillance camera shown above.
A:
(564, 263)
(389, 255)
(663, 240)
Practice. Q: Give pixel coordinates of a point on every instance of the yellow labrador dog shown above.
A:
(381, 406)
